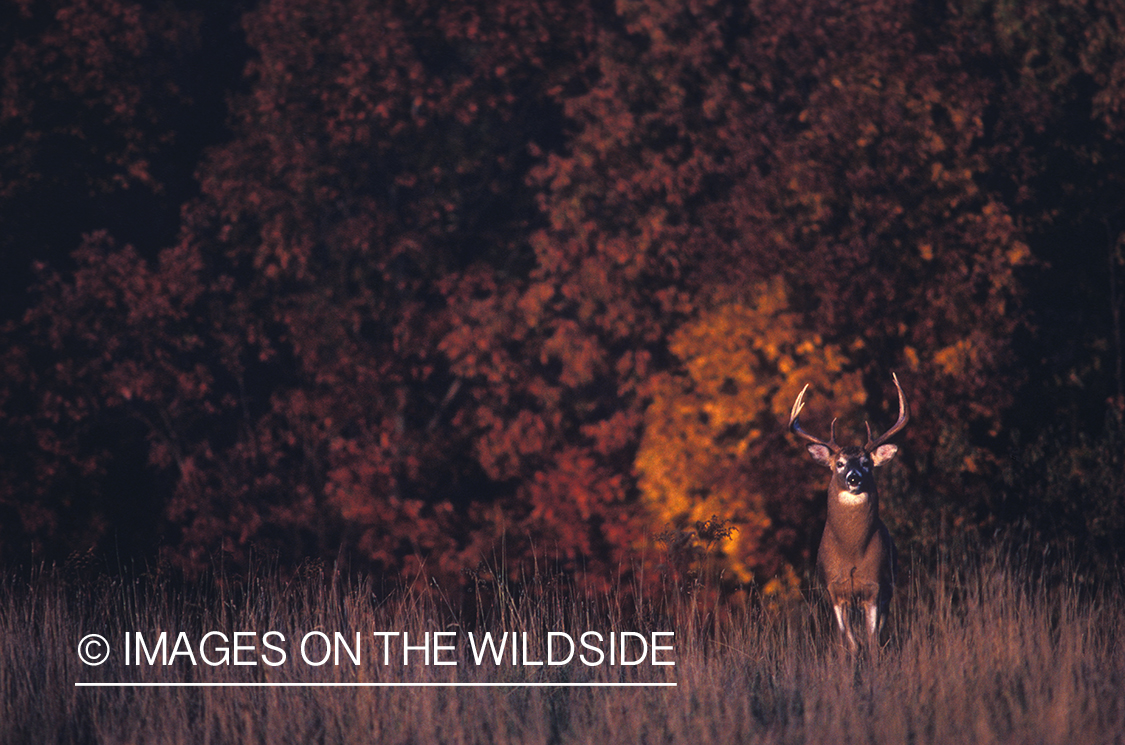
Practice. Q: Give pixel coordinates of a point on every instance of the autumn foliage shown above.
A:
(542, 278)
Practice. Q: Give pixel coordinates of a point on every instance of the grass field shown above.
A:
(980, 653)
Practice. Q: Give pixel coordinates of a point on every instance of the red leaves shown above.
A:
(538, 270)
(82, 81)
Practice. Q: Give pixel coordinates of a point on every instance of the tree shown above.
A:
(712, 445)
(548, 276)
(287, 378)
(105, 107)
(101, 123)
(1058, 72)
(818, 149)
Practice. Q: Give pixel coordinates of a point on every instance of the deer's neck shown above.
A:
(853, 517)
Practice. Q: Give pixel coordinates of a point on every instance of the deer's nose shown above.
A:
(853, 478)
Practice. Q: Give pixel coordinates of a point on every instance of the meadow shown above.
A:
(982, 650)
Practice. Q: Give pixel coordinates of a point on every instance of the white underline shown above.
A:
(375, 685)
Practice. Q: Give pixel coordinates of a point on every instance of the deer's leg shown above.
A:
(871, 613)
(842, 620)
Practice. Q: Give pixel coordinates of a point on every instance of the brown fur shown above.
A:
(856, 561)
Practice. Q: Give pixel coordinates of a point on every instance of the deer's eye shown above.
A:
(839, 464)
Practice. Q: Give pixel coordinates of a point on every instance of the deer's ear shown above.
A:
(821, 455)
(883, 454)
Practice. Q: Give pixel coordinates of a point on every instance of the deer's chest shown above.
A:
(848, 499)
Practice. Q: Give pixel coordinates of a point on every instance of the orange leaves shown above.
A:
(468, 270)
(710, 425)
(958, 359)
(578, 354)
(506, 442)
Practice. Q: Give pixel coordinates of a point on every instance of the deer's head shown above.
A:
(852, 466)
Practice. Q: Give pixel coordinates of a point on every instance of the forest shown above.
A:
(419, 283)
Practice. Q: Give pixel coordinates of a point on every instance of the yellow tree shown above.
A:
(712, 445)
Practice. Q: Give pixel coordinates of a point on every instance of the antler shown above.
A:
(795, 426)
(903, 417)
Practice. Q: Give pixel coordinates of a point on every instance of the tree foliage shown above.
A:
(548, 275)
(711, 443)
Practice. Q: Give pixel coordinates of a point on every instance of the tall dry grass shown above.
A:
(980, 653)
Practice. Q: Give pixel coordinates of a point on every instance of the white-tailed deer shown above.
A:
(856, 560)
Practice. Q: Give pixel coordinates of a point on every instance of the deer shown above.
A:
(856, 562)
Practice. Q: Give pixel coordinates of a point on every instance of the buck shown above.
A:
(856, 560)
